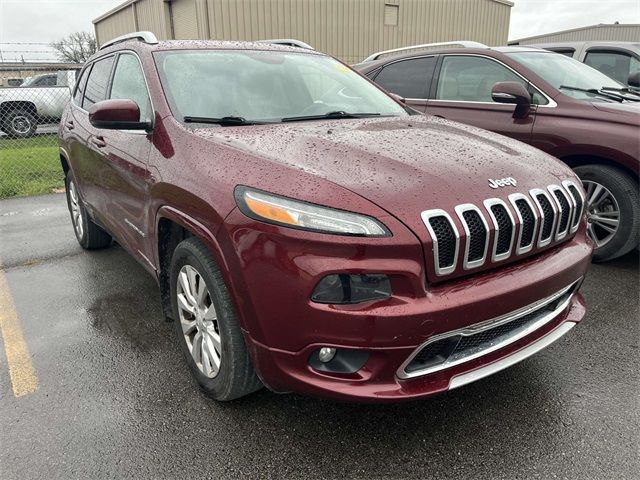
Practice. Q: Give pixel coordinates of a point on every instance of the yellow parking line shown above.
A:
(24, 379)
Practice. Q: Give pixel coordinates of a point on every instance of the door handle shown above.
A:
(98, 141)
(69, 125)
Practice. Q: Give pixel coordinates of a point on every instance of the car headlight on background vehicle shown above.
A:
(306, 216)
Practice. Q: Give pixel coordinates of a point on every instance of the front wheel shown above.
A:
(613, 210)
(207, 326)
(20, 123)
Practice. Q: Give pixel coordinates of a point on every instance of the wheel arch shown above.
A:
(577, 160)
(11, 105)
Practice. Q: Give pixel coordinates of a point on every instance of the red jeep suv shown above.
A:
(310, 233)
(553, 102)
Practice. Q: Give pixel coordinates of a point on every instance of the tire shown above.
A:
(220, 335)
(89, 235)
(623, 189)
(19, 123)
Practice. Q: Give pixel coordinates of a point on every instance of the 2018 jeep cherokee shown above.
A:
(310, 234)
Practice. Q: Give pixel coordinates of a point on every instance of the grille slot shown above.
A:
(505, 229)
(577, 198)
(548, 215)
(445, 238)
(463, 345)
(565, 210)
(477, 235)
(528, 223)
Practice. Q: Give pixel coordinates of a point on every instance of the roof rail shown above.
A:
(462, 43)
(146, 37)
(291, 42)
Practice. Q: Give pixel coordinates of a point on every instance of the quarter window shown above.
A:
(617, 65)
(97, 82)
(408, 78)
(129, 83)
(470, 79)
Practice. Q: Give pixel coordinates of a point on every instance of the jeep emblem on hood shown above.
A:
(502, 182)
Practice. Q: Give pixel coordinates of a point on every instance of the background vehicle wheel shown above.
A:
(19, 123)
(613, 210)
(207, 326)
(89, 235)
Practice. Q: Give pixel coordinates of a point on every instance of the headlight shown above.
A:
(306, 216)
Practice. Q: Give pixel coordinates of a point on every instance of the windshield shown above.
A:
(265, 86)
(561, 71)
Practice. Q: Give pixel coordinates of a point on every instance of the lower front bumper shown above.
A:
(378, 381)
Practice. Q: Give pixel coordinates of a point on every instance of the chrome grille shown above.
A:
(525, 222)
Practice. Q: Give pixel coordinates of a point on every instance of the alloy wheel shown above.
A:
(199, 321)
(76, 210)
(21, 124)
(603, 213)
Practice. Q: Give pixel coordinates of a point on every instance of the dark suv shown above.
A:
(563, 107)
(310, 233)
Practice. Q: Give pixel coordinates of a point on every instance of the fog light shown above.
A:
(326, 354)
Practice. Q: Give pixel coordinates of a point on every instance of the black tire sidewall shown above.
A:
(85, 223)
(600, 174)
(185, 254)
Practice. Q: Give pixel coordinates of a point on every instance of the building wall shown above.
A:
(612, 33)
(347, 29)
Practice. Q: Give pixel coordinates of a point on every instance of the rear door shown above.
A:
(617, 64)
(461, 92)
(410, 78)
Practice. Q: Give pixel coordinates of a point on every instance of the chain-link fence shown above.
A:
(32, 99)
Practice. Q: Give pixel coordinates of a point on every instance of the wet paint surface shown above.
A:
(115, 398)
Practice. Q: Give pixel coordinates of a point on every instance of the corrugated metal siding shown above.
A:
(153, 16)
(185, 24)
(609, 33)
(352, 29)
(347, 29)
(119, 23)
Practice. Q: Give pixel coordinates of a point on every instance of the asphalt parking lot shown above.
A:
(110, 395)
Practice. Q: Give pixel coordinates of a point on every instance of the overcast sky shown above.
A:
(43, 21)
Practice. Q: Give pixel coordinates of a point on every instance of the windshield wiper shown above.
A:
(594, 91)
(330, 115)
(635, 96)
(225, 121)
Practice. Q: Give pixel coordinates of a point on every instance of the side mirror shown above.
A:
(514, 93)
(398, 98)
(634, 79)
(117, 114)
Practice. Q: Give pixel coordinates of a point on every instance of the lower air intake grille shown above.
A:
(446, 239)
(528, 222)
(505, 228)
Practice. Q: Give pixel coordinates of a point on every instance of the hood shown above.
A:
(629, 111)
(404, 166)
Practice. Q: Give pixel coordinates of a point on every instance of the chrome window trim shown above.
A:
(556, 188)
(534, 195)
(487, 205)
(551, 104)
(460, 209)
(575, 224)
(426, 216)
(489, 324)
(512, 199)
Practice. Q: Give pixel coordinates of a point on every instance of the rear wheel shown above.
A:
(20, 123)
(89, 235)
(613, 210)
(207, 326)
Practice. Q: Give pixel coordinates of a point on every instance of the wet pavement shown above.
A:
(114, 398)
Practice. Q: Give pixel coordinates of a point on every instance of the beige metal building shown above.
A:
(347, 29)
(614, 32)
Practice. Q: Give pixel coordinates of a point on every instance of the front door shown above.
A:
(462, 92)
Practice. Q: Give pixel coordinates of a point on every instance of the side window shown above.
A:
(128, 83)
(408, 78)
(77, 96)
(470, 79)
(617, 65)
(97, 82)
